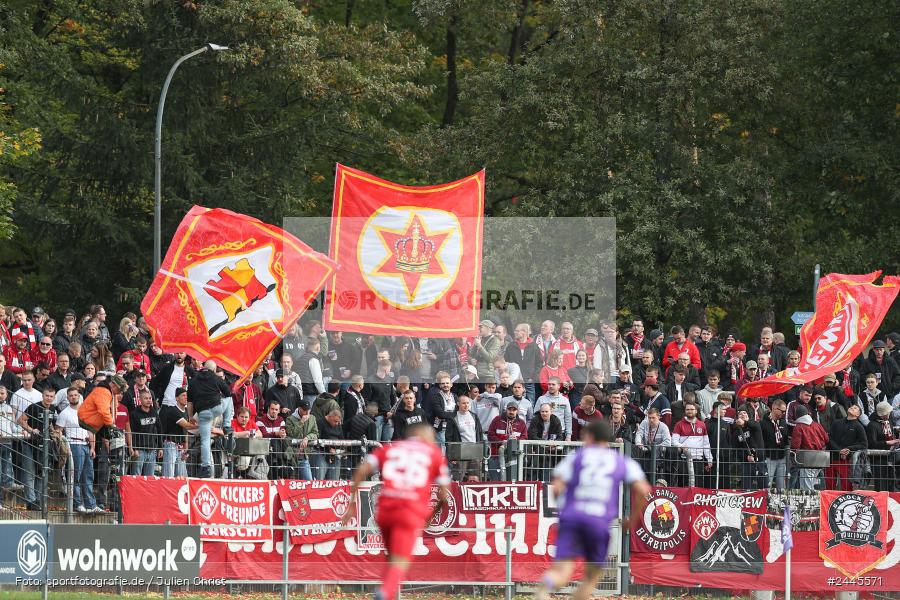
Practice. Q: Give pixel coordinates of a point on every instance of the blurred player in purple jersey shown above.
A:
(587, 484)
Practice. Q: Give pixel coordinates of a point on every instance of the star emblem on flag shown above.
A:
(412, 253)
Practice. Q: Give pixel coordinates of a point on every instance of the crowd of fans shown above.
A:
(670, 397)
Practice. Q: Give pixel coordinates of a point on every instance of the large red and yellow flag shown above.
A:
(230, 287)
(849, 310)
(410, 256)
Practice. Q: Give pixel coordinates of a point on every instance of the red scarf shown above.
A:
(638, 339)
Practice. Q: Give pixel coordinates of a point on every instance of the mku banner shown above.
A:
(442, 553)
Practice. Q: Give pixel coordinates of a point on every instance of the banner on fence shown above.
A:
(315, 508)
(872, 569)
(441, 555)
(665, 523)
(853, 530)
(224, 508)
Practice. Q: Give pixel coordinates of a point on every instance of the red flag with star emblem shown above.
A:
(230, 287)
(410, 256)
(849, 310)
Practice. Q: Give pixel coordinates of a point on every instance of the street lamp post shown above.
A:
(157, 183)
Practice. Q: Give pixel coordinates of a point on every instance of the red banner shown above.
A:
(853, 530)
(810, 571)
(849, 310)
(410, 256)
(315, 507)
(230, 287)
(225, 507)
(442, 555)
(665, 525)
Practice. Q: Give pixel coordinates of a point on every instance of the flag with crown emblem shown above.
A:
(230, 287)
(410, 256)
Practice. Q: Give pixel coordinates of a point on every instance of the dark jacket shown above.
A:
(528, 359)
(160, 380)
(452, 432)
(404, 418)
(360, 426)
(710, 354)
(206, 390)
(437, 413)
(347, 355)
(748, 440)
(775, 449)
(381, 391)
(827, 416)
(327, 432)
(890, 373)
(303, 370)
(287, 396)
(536, 428)
(847, 434)
(671, 394)
(352, 402)
(877, 438)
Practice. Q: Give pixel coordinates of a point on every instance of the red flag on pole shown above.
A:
(849, 310)
(410, 256)
(230, 287)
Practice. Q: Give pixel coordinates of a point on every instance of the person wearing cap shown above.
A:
(21, 324)
(501, 429)
(484, 350)
(883, 435)
(625, 383)
(884, 367)
(302, 429)
(751, 374)
(286, 395)
(174, 426)
(807, 435)
(734, 366)
(19, 357)
(823, 411)
(138, 385)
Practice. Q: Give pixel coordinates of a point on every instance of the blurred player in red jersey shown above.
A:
(408, 469)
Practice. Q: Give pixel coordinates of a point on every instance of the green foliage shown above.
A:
(736, 144)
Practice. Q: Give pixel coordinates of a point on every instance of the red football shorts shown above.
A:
(399, 530)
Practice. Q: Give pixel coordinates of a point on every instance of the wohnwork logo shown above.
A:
(119, 560)
(125, 550)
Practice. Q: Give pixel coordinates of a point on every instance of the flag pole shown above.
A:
(787, 575)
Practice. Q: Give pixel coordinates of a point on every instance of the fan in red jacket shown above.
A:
(18, 356)
(506, 427)
(680, 344)
(807, 435)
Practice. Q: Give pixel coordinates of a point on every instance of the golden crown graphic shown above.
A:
(413, 252)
